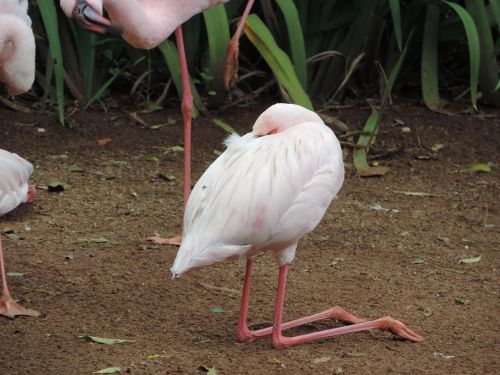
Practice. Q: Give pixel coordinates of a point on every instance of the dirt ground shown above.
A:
(377, 252)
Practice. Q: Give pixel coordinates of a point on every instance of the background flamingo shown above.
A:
(264, 193)
(145, 24)
(17, 47)
(14, 190)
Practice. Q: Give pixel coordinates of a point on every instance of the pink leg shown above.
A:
(280, 341)
(187, 115)
(9, 307)
(231, 65)
(244, 334)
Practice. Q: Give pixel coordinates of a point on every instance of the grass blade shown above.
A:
(277, 59)
(474, 51)
(169, 52)
(296, 39)
(48, 14)
(429, 62)
(396, 21)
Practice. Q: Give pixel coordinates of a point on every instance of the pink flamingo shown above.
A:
(14, 190)
(145, 24)
(17, 47)
(264, 193)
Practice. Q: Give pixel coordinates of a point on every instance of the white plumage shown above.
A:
(17, 47)
(14, 175)
(265, 192)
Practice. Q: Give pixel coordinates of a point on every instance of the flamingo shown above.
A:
(145, 24)
(17, 47)
(14, 190)
(264, 193)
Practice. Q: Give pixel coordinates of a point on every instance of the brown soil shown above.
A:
(359, 257)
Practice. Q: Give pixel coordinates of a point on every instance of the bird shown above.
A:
(14, 190)
(145, 24)
(267, 190)
(17, 48)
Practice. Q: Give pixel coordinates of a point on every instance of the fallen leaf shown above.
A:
(13, 236)
(212, 371)
(224, 126)
(84, 241)
(57, 186)
(427, 311)
(151, 158)
(413, 193)
(174, 149)
(373, 171)
(109, 370)
(166, 177)
(477, 167)
(462, 301)
(470, 260)
(446, 240)
(437, 147)
(153, 356)
(34, 312)
(419, 261)
(217, 310)
(406, 129)
(104, 340)
(321, 359)
(75, 168)
(15, 274)
(444, 356)
(154, 107)
(157, 126)
(103, 141)
(117, 163)
(134, 194)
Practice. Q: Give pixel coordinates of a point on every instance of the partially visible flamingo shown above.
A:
(264, 193)
(145, 24)
(17, 47)
(14, 190)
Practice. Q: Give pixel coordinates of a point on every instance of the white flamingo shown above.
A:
(264, 193)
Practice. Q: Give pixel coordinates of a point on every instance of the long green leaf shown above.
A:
(277, 59)
(473, 43)
(488, 67)
(429, 63)
(296, 39)
(396, 21)
(48, 14)
(217, 26)
(169, 52)
(372, 124)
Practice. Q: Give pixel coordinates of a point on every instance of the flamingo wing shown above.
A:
(14, 175)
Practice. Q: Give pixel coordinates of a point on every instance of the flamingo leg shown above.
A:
(245, 334)
(187, 116)
(279, 341)
(9, 307)
(231, 64)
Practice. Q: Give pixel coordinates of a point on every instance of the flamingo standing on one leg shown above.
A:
(14, 190)
(264, 193)
(145, 24)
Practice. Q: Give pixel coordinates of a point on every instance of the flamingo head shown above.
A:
(31, 193)
(88, 13)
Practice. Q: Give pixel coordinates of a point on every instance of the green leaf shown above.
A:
(217, 310)
(15, 274)
(462, 301)
(470, 260)
(169, 52)
(224, 126)
(260, 36)
(104, 340)
(419, 261)
(151, 158)
(396, 21)
(296, 39)
(414, 193)
(477, 167)
(212, 371)
(473, 43)
(109, 370)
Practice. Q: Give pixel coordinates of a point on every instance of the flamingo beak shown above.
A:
(92, 20)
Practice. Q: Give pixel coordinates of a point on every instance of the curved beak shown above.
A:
(92, 20)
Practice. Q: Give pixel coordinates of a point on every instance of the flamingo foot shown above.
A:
(11, 309)
(176, 241)
(336, 313)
